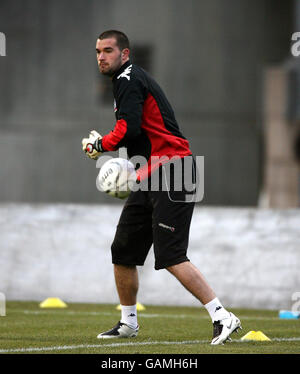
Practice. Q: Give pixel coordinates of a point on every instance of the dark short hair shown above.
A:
(121, 38)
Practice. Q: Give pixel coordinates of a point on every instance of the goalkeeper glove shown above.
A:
(92, 145)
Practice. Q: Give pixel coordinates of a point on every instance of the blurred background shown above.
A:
(228, 70)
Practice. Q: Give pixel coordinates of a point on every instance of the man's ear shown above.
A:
(125, 53)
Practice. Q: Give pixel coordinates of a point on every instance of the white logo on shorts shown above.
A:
(166, 227)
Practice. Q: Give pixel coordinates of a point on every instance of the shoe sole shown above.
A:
(116, 336)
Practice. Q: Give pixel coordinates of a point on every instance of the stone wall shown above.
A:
(250, 256)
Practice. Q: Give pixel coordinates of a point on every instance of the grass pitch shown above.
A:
(27, 328)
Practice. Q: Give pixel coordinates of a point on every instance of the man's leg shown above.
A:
(131, 244)
(191, 278)
(127, 283)
(126, 278)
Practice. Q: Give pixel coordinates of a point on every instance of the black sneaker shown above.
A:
(121, 330)
(223, 329)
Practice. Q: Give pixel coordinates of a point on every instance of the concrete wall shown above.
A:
(249, 256)
(207, 55)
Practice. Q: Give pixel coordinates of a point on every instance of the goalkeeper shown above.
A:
(146, 126)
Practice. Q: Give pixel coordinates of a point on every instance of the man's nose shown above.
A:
(100, 56)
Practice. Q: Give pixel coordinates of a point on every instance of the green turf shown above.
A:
(163, 330)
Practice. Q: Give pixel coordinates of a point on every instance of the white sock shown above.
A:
(216, 310)
(129, 315)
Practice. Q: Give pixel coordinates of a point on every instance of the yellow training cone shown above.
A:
(255, 335)
(53, 302)
(139, 307)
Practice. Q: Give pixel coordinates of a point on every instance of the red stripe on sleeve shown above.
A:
(111, 140)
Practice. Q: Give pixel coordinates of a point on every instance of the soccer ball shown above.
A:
(116, 177)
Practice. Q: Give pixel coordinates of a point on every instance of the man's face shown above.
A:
(109, 56)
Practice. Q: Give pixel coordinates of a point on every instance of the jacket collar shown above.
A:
(122, 68)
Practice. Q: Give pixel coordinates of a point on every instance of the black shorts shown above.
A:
(161, 218)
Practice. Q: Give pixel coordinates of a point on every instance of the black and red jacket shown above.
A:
(146, 124)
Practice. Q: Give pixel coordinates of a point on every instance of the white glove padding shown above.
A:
(90, 145)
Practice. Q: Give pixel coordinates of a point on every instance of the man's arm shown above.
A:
(131, 96)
